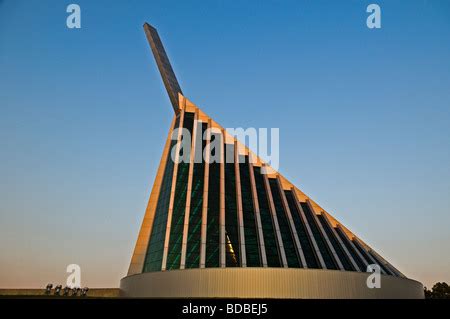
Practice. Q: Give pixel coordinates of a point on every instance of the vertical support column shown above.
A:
(308, 229)
(262, 248)
(222, 201)
(240, 216)
(324, 235)
(344, 248)
(275, 221)
(291, 223)
(172, 192)
(206, 159)
(189, 191)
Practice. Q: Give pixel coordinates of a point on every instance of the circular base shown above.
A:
(265, 283)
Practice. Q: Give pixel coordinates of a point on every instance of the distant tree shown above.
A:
(440, 290)
(427, 293)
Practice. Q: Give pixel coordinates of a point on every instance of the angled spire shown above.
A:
(167, 74)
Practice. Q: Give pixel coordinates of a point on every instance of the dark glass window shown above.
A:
(232, 250)
(213, 218)
(362, 266)
(270, 240)
(385, 268)
(362, 252)
(366, 255)
(283, 223)
(320, 241)
(308, 249)
(195, 214)
(153, 258)
(337, 247)
(248, 212)
(179, 205)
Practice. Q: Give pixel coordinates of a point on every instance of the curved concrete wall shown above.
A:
(265, 283)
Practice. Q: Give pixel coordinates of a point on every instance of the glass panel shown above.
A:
(153, 257)
(232, 250)
(270, 241)
(366, 255)
(308, 249)
(386, 269)
(362, 252)
(213, 219)
(337, 247)
(195, 214)
(179, 206)
(345, 240)
(286, 234)
(248, 211)
(320, 241)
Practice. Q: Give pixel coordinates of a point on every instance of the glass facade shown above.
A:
(362, 252)
(320, 241)
(337, 247)
(213, 219)
(270, 240)
(362, 266)
(385, 268)
(308, 249)
(367, 255)
(232, 249)
(248, 211)
(195, 214)
(153, 257)
(179, 205)
(283, 223)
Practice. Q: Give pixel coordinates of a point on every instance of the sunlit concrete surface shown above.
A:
(266, 283)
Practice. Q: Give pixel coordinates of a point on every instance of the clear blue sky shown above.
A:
(364, 118)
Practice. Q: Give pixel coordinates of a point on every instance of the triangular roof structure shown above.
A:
(179, 232)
